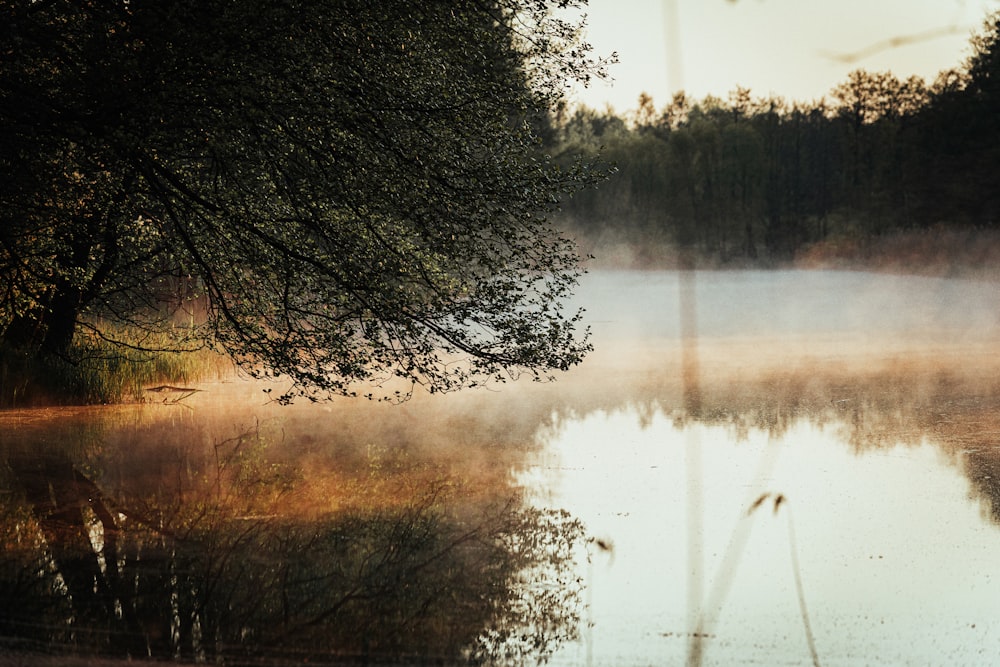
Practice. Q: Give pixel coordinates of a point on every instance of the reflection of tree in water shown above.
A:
(949, 397)
(956, 407)
(230, 570)
(982, 466)
(238, 549)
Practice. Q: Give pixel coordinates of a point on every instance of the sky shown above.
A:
(789, 48)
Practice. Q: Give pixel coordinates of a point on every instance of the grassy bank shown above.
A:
(96, 371)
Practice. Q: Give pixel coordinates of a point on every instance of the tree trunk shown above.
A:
(60, 320)
(24, 332)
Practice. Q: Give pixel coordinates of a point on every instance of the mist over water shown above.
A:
(840, 489)
(845, 498)
(645, 304)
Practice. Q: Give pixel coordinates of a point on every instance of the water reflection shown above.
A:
(874, 435)
(503, 526)
(895, 566)
(126, 535)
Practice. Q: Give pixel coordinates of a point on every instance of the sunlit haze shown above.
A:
(795, 49)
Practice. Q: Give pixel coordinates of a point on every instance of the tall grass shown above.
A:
(98, 371)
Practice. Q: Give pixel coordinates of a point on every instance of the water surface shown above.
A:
(830, 497)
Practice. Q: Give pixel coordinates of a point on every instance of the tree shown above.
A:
(354, 186)
(977, 189)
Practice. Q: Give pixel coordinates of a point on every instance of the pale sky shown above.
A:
(784, 47)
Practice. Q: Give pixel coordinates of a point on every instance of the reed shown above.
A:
(101, 371)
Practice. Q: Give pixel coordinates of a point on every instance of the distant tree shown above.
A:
(869, 96)
(588, 130)
(355, 187)
(677, 111)
(745, 171)
(645, 114)
(981, 101)
(943, 141)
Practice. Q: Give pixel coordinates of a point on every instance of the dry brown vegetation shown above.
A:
(938, 251)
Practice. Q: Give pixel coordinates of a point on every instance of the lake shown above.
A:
(805, 470)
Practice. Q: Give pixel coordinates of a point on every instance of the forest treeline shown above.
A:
(764, 180)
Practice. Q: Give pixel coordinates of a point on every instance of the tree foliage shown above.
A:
(353, 187)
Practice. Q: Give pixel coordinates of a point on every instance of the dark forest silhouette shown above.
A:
(755, 180)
